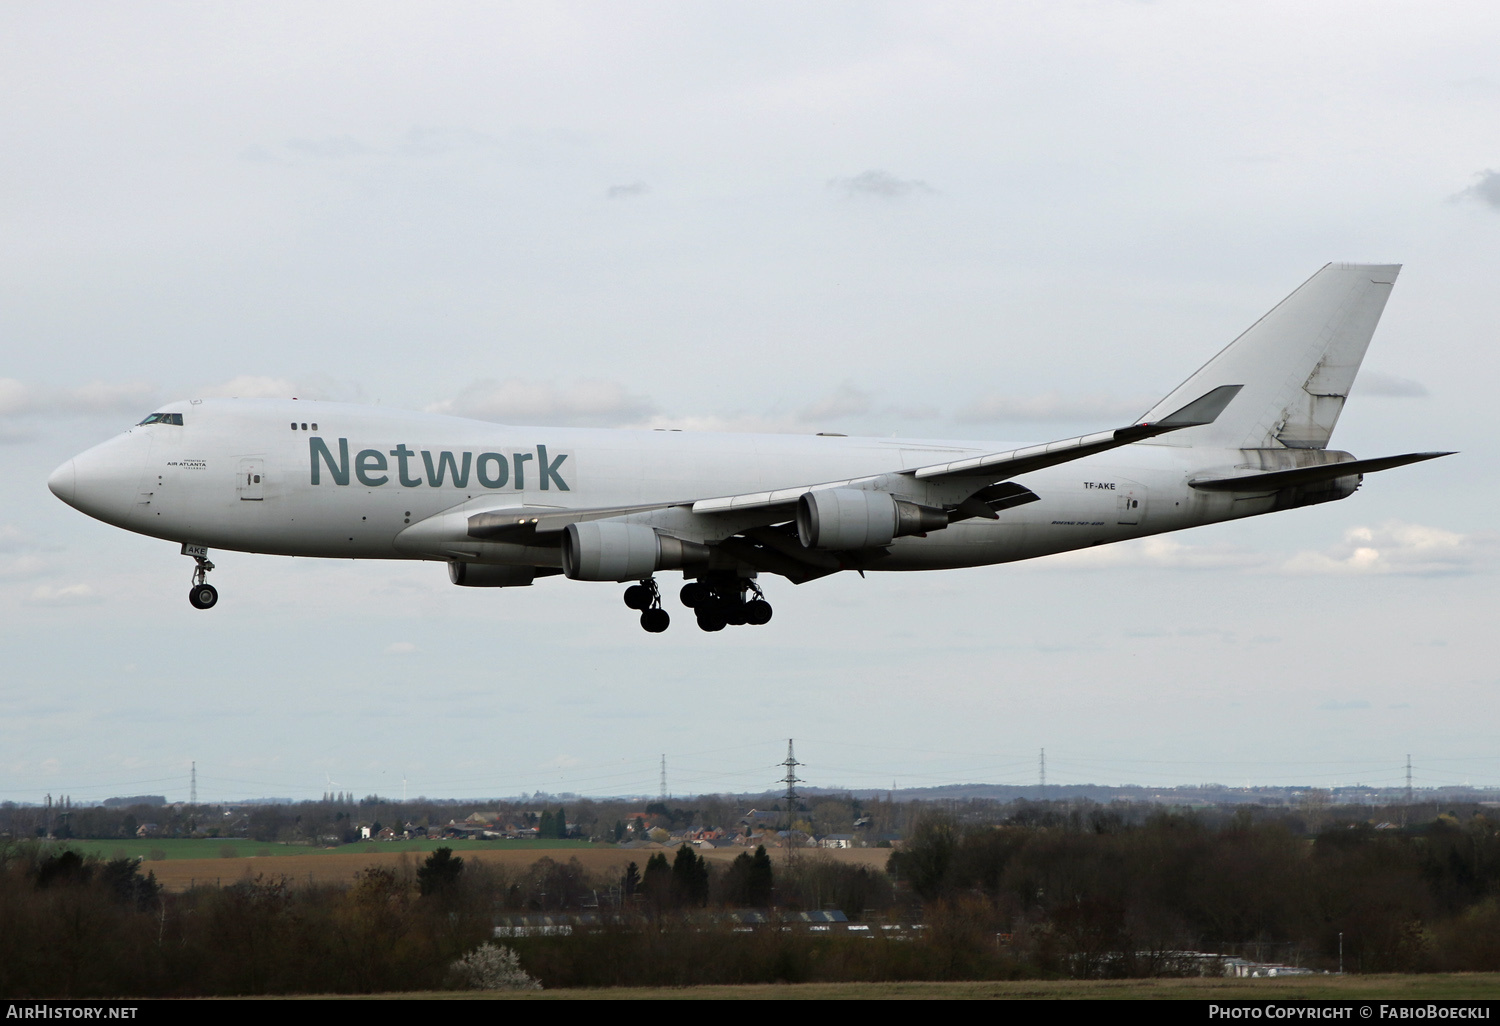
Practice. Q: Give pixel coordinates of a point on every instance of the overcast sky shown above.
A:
(986, 220)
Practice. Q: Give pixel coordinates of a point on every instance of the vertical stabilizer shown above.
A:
(1297, 364)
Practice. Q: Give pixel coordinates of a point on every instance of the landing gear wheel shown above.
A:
(710, 620)
(757, 612)
(647, 598)
(202, 595)
(693, 594)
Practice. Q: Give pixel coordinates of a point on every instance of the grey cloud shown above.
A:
(1052, 406)
(845, 401)
(626, 191)
(1487, 189)
(334, 147)
(252, 386)
(19, 397)
(433, 142)
(1375, 383)
(880, 183)
(580, 404)
(67, 595)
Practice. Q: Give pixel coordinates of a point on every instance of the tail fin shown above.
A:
(1297, 364)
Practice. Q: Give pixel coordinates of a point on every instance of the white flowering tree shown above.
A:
(493, 967)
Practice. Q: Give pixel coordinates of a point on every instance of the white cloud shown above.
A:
(1105, 409)
(251, 386)
(1397, 548)
(581, 404)
(880, 183)
(1157, 551)
(67, 595)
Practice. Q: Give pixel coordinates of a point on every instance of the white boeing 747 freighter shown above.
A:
(503, 506)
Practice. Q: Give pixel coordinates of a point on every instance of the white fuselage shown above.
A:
(295, 477)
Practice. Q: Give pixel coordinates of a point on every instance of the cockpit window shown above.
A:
(164, 418)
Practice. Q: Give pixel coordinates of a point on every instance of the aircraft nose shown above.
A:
(64, 482)
(104, 481)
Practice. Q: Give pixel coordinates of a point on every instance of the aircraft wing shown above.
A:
(1000, 466)
(988, 475)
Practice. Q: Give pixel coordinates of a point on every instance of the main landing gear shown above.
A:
(647, 598)
(202, 594)
(719, 602)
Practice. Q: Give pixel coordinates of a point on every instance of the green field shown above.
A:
(1434, 987)
(239, 848)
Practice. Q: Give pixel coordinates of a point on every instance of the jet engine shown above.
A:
(1316, 492)
(603, 550)
(850, 518)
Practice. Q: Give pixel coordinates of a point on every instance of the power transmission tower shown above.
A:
(663, 796)
(1043, 766)
(791, 779)
(792, 798)
(193, 787)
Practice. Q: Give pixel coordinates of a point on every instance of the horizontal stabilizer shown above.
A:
(1309, 475)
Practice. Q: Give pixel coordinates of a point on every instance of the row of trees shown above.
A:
(337, 817)
(1423, 898)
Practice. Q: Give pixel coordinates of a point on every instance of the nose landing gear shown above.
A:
(202, 595)
(647, 598)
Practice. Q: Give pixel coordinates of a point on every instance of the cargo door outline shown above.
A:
(251, 486)
(1130, 506)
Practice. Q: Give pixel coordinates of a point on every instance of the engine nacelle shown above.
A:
(603, 550)
(1320, 491)
(850, 518)
(488, 575)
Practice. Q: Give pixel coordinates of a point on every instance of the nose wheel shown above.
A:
(201, 595)
(647, 598)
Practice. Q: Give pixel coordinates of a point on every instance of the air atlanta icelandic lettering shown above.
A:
(490, 469)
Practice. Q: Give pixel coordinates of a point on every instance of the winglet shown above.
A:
(1203, 410)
